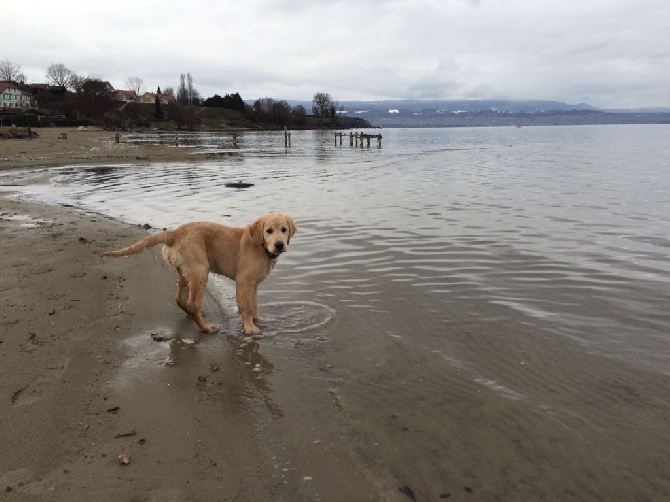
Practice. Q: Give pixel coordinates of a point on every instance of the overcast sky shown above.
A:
(608, 53)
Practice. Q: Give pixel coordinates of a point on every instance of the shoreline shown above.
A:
(83, 338)
(84, 146)
(98, 362)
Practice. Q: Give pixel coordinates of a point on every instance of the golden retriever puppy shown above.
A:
(246, 255)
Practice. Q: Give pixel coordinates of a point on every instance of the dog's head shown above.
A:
(273, 231)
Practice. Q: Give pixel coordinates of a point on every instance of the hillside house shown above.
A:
(56, 91)
(126, 96)
(150, 97)
(11, 96)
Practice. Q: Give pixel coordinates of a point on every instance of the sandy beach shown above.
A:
(82, 146)
(109, 393)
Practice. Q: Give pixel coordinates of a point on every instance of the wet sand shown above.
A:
(98, 362)
(71, 402)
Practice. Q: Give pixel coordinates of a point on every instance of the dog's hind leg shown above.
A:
(197, 282)
(181, 295)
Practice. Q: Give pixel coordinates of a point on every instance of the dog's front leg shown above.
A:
(247, 299)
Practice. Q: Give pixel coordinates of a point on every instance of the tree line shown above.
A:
(93, 98)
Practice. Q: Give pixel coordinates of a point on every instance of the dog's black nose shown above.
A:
(279, 247)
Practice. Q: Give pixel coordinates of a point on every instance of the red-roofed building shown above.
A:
(149, 97)
(12, 96)
(127, 96)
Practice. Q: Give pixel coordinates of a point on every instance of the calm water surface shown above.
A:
(566, 228)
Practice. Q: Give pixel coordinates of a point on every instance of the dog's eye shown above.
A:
(284, 230)
(269, 231)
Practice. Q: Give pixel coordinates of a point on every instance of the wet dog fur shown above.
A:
(246, 255)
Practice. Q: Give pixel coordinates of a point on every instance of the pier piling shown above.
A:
(356, 137)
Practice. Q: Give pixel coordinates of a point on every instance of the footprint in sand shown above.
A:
(38, 387)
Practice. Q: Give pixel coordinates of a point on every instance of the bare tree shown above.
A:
(11, 72)
(192, 92)
(76, 82)
(169, 91)
(263, 106)
(60, 75)
(322, 104)
(187, 94)
(189, 88)
(182, 94)
(135, 84)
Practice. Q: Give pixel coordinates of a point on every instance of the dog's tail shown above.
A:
(166, 237)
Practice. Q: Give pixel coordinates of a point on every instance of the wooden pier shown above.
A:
(359, 138)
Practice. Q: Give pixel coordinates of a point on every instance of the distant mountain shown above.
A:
(449, 113)
(488, 112)
(474, 105)
(412, 106)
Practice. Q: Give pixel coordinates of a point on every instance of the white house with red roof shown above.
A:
(11, 96)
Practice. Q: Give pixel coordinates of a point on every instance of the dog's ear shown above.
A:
(255, 231)
(292, 229)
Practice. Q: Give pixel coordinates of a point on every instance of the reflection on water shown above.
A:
(562, 230)
(160, 348)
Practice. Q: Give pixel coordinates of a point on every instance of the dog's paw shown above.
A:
(251, 330)
(209, 328)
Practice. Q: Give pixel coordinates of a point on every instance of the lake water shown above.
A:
(534, 220)
(534, 261)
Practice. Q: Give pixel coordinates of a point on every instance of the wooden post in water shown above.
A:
(354, 136)
(287, 137)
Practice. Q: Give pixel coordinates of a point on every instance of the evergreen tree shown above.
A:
(158, 110)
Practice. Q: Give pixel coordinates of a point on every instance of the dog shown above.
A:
(246, 255)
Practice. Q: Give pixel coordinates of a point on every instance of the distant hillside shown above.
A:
(488, 112)
(375, 108)
(473, 105)
(213, 119)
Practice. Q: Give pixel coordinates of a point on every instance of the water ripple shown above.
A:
(412, 240)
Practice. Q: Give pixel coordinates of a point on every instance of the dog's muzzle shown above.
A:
(279, 248)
